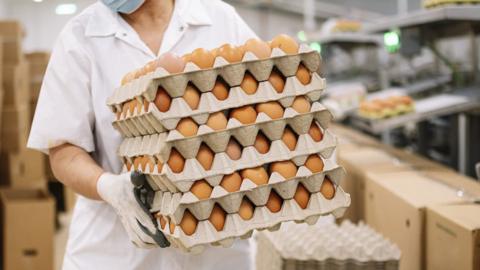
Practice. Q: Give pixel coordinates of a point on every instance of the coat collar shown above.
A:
(104, 22)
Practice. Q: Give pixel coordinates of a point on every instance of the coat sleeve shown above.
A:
(64, 112)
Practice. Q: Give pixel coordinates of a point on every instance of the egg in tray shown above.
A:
(231, 140)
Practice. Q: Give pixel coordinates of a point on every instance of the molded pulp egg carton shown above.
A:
(204, 79)
(174, 205)
(166, 180)
(263, 218)
(147, 119)
(161, 144)
(325, 246)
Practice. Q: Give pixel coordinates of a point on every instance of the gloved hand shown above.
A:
(119, 192)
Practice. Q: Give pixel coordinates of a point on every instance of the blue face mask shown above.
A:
(123, 6)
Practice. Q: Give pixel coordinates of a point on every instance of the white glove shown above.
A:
(117, 190)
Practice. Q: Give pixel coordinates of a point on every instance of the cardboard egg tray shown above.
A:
(166, 180)
(263, 218)
(204, 79)
(325, 246)
(174, 205)
(161, 144)
(149, 120)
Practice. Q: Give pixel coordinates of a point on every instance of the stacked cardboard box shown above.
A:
(27, 209)
(27, 217)
(19, 167)
(422, 206)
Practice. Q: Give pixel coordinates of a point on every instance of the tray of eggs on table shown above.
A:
(231, 140)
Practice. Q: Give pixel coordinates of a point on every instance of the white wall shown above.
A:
(41, 23)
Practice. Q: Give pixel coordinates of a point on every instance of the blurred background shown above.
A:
(403, 84)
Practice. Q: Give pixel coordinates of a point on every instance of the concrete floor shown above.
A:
(61, 240)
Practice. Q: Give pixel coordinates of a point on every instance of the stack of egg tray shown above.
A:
(151, 134)
(325, 246)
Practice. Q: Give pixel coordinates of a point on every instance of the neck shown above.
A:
(151, 11)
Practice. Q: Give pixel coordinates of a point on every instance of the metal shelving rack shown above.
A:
(433, 24)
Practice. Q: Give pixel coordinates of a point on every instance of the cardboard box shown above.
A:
(16, 83)
(11, 33)
(27, 229)
(15, 126)
(395, 207)
(23, 169)
(358, 162)
(453, 237)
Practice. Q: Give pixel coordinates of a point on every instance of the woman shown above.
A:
(73, 124)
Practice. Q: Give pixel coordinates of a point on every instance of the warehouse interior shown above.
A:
(397, 94)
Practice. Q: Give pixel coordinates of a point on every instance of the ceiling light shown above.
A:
(37, 1)
(66, 9)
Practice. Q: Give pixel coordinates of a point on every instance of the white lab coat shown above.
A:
(92, 53)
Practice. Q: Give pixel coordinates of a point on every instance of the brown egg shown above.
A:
(327, 189)
(150, 67)
(187, 57)
(217, 121)
(301, 104)
(201, 189)
(303, 75)
(246, 209)
(220, 90)
(132, 105)
(159, 165)
(315, 132)
(234, 150)
(246, 114)
(230, 53)
(217, 217)
(274, 203)
(260, 48)
(258, 175)
(162, 100)
(188, 223)
(314, 163)
(249, 84)
(271, 108)
(231, 182)
(192, 96)
(205, 157)
(176, 162)
(125, 106)
(146, 161)
(130, 76)
(262, 144)
(302, 196)
(285, 43)
(128, 164)
(277, 80)
(187, 127)
(136, 163)
(171, 62)
(162, 220)
(285, 168)
(290, 139)
(214, 51)
(202, 58)
(172, 227)
(145, 105)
